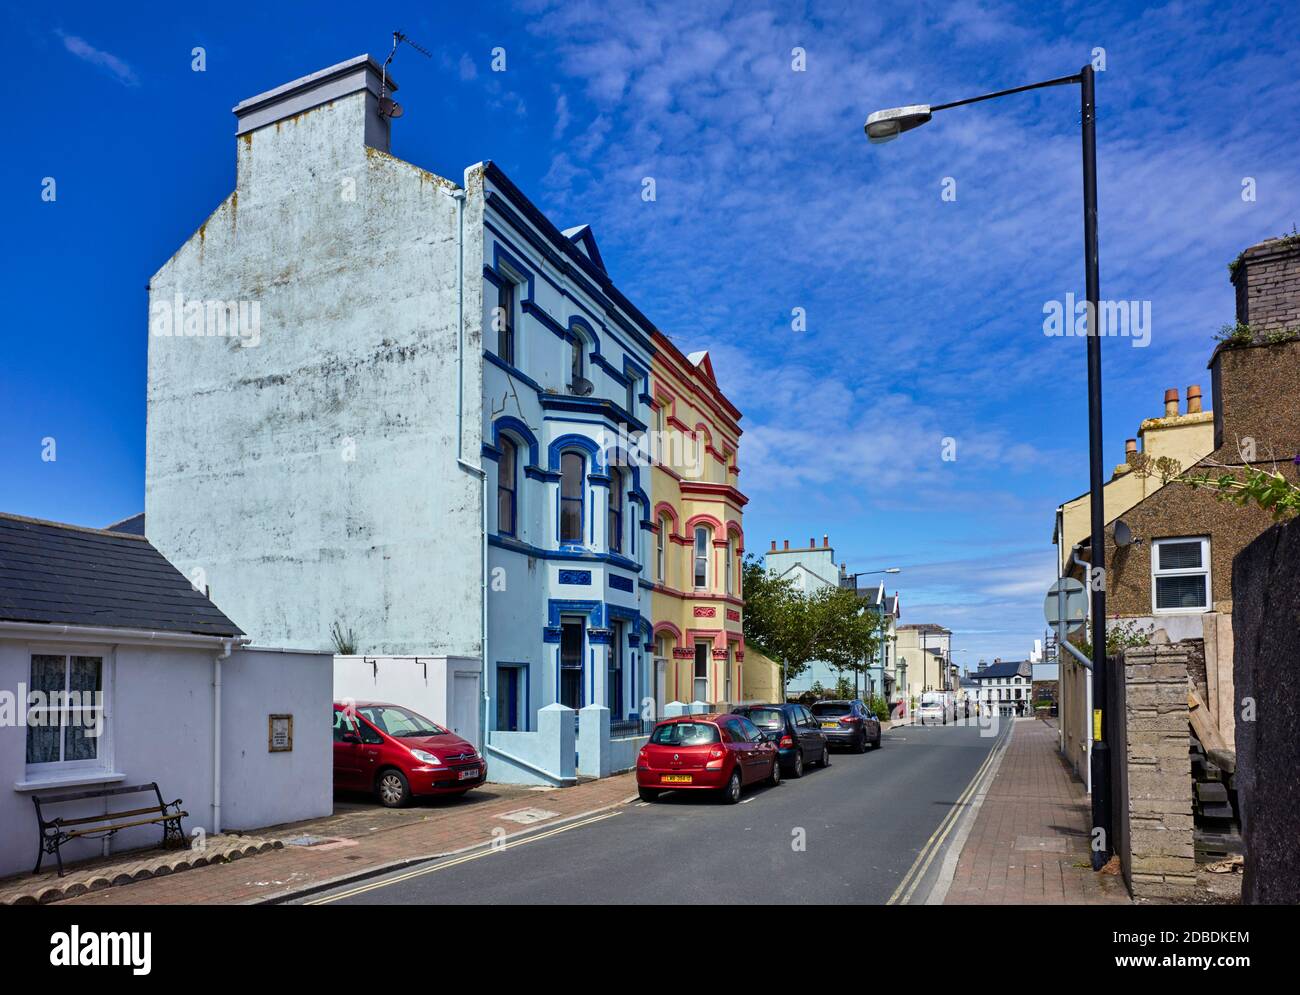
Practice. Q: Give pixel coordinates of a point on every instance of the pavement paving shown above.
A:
(1028, 844)
(849, 833)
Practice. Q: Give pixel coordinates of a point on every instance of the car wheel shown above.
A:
(797, 769)
(875, 743)
(731, 793)
(774, 778)
(825, 761)
(393, 789)
(861, 745)
(647, 794)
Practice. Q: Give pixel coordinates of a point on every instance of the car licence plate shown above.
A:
(830, 725)
(466, 775)
(676, 779)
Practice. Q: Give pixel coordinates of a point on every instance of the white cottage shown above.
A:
(115, 671)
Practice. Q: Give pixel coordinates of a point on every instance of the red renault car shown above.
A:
(397, 753)
(714, 752)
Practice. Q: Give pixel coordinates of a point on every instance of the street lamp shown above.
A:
(886, 125)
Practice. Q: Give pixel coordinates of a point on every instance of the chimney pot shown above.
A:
(1171, 402)
(773, 545)
(1130, 446)
(787, 544)
(1194, 399)
(826, 540)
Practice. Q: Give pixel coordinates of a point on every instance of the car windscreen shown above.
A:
(684, 734)
(401, 723)
(766, 718)
(831, 708)
(932, 699)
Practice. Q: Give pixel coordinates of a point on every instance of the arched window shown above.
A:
(504, 320)
(659, 549)
(575, 359)
(731, 570)
(572, 466)
(702, 540)
(507, 481)
(616, 511)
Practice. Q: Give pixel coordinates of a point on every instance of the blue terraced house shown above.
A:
(566, 369)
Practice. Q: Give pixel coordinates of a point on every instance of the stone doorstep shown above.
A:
(127, 868)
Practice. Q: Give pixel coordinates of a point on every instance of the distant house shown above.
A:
(1005, 686)
(924, 655)
(115, 670)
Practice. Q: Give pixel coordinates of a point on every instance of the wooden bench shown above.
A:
(55, 832)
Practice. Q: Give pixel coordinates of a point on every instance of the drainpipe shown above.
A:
(226, 647)
(459, 197)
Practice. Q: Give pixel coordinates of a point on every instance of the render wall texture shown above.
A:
(311, 478)
(1266, 675)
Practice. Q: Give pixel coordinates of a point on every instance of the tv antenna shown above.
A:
(387, 106)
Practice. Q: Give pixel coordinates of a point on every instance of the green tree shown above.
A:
(794, 629)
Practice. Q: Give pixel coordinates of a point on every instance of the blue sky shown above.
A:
(924, 316)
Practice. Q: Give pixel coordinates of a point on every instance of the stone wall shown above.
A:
(1161, 859)
(1266, 672)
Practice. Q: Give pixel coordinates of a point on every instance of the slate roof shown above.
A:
(69, 575)
(1008, 668)
(132, 525)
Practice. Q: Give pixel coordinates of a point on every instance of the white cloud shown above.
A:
(117, 68)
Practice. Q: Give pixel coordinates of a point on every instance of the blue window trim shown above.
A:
(557, 464)
(570, 553)
(521, 431)
(513, 531)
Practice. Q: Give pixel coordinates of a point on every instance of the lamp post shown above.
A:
(851, 581)
(885, 126)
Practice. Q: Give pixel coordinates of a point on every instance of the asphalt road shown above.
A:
(862, 823)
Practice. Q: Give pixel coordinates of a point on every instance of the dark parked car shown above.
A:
(847, 723)
(797, 735)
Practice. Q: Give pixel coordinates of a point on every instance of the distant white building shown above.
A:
(1006, 686)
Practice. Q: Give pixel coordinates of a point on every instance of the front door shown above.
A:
(700, 687)
(464, 711)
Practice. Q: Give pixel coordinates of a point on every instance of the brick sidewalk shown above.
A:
(1029, 844)
(358, 847)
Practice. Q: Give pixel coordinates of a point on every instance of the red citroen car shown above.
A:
(713, 752)
(397, 753)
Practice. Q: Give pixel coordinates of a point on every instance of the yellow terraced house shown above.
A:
(698, 539)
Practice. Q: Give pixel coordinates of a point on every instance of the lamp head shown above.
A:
(885, 126)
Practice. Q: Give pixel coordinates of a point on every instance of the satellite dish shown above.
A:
(388, 107)
(581, 386)
(1123, 534)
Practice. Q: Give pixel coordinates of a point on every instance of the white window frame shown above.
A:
(660, 548)
(1203, 569)
(696, 557)
(103, 759)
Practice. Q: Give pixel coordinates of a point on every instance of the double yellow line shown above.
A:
(489, 850)
(916, 873)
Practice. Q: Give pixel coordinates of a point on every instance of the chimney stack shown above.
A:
(1194, 399)
(352, 87)
(1267, 280)
(1171, 402)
